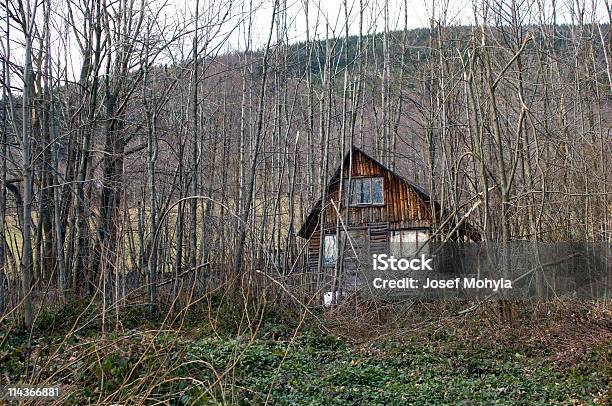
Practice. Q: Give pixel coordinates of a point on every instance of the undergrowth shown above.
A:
(211, 358)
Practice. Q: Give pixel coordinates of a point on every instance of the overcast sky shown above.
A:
(326, 17)
(330, 15)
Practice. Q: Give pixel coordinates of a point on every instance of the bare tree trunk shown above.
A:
(28, 21)
(248, 200)
(152, 149)
(195, 150)
(3, 150)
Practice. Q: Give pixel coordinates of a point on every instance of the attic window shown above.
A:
(365, 191)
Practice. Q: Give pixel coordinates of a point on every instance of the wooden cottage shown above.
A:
(379, 211)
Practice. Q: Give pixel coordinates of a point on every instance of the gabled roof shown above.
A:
(312, 219)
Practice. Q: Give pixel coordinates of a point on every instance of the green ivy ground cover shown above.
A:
(322, 372)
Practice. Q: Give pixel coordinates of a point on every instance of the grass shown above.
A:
(461, 362)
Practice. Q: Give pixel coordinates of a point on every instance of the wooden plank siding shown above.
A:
(402, 206)
(368, 226)
(405, 206)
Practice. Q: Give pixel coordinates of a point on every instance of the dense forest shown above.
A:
(155, 170)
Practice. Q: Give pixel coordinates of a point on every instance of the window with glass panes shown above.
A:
(330, 250)
(364, 191)
(408, 243)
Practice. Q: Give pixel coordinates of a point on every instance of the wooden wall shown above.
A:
(403, 207)
(368, 226)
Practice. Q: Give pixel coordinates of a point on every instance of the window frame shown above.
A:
(422, 247)
(348, 190)
(324, 258)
